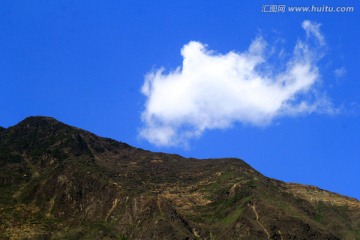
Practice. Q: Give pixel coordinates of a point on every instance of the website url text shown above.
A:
(321, 9)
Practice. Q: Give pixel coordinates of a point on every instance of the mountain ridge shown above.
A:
(66, 182)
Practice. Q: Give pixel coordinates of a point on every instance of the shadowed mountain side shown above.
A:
(2, 129)
(61, 182)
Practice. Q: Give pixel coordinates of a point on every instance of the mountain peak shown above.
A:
(60, 177)
(38, 124)
(38, 120)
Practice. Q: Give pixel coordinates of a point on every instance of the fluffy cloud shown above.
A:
(214, 91)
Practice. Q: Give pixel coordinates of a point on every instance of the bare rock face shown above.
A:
(61, 182)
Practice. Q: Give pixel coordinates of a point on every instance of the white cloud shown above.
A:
(340, 72)
(214, 91)
(313, 29)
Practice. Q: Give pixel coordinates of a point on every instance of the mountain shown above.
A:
(61, 182)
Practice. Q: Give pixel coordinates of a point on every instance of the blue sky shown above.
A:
(236, 91)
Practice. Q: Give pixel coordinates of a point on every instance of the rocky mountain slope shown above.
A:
(61, 182)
